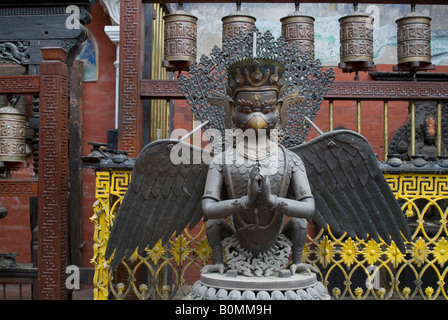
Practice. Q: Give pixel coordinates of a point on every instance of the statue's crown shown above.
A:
(255, 74)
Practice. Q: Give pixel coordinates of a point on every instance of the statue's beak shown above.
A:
(257, 122)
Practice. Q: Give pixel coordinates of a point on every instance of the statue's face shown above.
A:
(256, 110)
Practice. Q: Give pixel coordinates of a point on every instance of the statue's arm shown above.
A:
(212, 205)
(302, 206)
(296, 208)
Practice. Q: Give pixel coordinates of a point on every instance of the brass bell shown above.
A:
(414, 41)
(237, 22)
(356, 47)
(180, 44)
(3, 211)
(12, 132)
(298, 28)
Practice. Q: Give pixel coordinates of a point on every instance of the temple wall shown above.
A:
(326, 26)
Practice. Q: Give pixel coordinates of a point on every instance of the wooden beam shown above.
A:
(53, 176)
(130, 106)
(75, 153)
(19, 84)
(339, 90)
(387, 90)
(160, 89)
(26, 187)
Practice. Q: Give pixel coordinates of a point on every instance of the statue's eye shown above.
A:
(267, 109)
(268, 105)
(246, 110)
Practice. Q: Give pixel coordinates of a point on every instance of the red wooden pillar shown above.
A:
(53, 175)
(130, 104)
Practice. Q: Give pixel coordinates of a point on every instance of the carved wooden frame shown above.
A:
(339, 90)
(130, 114)
(51, 186)
(19, 84)
(53, 175)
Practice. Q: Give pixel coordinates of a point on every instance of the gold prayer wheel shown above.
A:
(356, 47)
(414, 40)
(180, 44)
(298, 28)
(12, 134)
(235, 22)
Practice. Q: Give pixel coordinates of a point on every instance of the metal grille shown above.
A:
(350, 268)
(301, 73)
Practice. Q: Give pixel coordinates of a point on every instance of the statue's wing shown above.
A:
(351, 193)
(163, 197)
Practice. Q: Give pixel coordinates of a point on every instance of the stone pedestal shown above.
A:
(282, 286)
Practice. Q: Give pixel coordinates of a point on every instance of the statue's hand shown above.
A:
(255, 179)
(265, 193)
(253, 187)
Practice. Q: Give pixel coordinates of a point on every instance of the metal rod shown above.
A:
(314, 125)
(439, 129)
(152, 112)
(386, 129)
(358, 116)
(193, 131)
(331, 115)
(412, 114)
(254, 45)
(159, 109)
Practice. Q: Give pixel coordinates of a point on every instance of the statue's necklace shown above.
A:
(257, 152)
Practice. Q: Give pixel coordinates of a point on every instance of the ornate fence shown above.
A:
(350, 268)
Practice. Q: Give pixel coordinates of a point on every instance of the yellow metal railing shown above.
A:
(350, 268)
(163, 272)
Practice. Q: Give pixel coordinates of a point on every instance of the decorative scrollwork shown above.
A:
(349, 267)
(18, 52)
(302, 73)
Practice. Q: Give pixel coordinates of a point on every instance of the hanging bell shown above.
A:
(3, 211)
(236, 22)
(180, 44)
(356, 47)
(12, 132)
(414, 41)
(298, 28)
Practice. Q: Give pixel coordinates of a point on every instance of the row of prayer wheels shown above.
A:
(356, 37)
(356, 54)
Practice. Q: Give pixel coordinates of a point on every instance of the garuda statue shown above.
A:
(262, 173)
